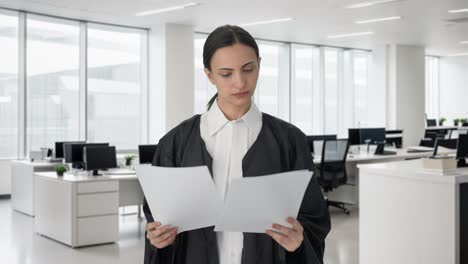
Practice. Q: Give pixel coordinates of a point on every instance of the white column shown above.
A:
(406, 91)
(171, 77)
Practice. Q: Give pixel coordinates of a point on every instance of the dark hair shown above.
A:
(225, 36)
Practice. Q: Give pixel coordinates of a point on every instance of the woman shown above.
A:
(234, 139)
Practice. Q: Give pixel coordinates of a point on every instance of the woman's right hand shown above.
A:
(160, 236)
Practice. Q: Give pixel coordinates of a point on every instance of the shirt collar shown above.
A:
(217, 120)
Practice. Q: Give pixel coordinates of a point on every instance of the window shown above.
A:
(272, 92)
(432, 87)
(114, 95)
(204, 89)
(331, 90)
(304, 89)
(8, 85)
(52, 81)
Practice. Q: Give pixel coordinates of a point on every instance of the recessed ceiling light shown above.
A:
(464, 42)
(378, 20)
(267, 22)
(167, 9)
(350, 35)
(457, 55)
(371, 3)
(458, 11)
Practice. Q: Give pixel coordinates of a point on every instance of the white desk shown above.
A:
(349, 193)
(22, 183)
(411, 215)
(83, 210)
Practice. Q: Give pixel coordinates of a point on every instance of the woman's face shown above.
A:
(234, 72)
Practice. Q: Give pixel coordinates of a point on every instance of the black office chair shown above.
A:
(446, 143)
(311, 139)
(331, 172)
(430, 139)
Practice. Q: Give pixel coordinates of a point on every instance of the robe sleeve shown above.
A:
(313, 213)
(153, 255)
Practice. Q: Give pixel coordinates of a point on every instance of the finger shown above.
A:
(152, 225)
(166, 242)
(295, 223)
(166, 235)
(279, 238)
(289, 232)
(157, 232)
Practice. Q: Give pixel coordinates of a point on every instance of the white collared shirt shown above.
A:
(227, 142)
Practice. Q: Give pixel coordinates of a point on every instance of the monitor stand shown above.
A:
(462, 163)
(96, 173)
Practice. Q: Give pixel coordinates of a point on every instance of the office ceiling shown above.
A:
(425, 22)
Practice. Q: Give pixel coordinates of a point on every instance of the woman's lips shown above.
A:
(240, 95)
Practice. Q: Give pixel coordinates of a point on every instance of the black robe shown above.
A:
(280, 147)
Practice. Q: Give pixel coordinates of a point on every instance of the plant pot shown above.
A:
(455, 123)
(60, 173)
(128, 162)
(441, 123)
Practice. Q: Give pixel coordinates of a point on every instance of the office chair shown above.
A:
(430, 139)
(331, 172)
(431, 122)
(446, 143)
(317, 138)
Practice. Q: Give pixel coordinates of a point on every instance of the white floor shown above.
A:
(20, 245)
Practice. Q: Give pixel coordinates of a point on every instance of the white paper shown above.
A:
(181, 197)
(253, 204)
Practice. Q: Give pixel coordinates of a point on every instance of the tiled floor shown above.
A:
(20, 245)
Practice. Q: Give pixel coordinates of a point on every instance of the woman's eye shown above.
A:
(248, 70)
(225, 75)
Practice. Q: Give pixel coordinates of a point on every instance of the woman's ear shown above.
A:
(209, 74)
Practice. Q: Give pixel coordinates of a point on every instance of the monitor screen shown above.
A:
(73, 152)
(354, 136)
(59, 153)
(99, 157)
(462, 146)
(373, 135)
(359, 136)
(146, 153)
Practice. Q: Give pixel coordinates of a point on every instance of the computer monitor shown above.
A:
(99, 158)
(59, 147)
(311, 139)
(372, 135)
(359, 136)
(146, 153)
(462, 150)
(431, 122)
(73, 152)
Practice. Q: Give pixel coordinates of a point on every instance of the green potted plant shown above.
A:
(128, 159)
(456, 121)
(441, 121)
(61, 169)
(463, 121)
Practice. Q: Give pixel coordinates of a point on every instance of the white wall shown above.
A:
(453, 91)
(5, 177)
(406, 91)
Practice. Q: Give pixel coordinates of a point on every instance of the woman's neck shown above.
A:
(233, 112)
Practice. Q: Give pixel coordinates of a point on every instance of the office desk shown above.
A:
(22, 183)
(349, 193)
(411, 215)
(83, 210)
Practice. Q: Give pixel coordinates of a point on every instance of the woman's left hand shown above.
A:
(289, 238)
